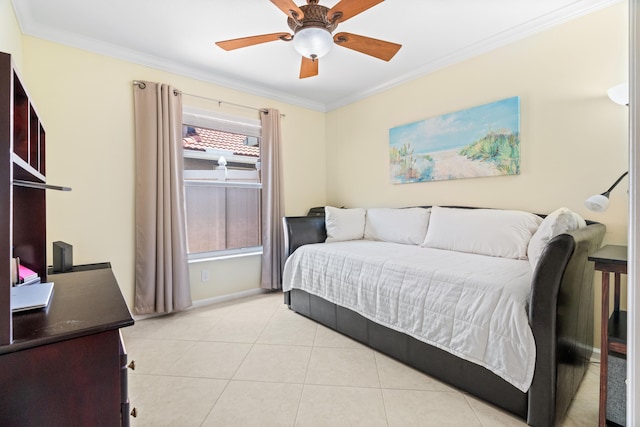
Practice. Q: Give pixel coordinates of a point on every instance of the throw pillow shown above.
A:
(557, 222)
(492, 232)
(344, 224)
(407, 226)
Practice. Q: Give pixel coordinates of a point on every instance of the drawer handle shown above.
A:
(134, 412)
(132, 365)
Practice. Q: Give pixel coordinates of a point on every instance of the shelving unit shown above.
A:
(23, 211)
(612, 259)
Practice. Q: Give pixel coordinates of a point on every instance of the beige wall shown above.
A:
(86, 102)
(10, 35)
(573, 138)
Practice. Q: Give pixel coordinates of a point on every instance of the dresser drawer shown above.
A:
(125, 365)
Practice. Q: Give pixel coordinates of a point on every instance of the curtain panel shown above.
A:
(272, 200)
(161, 268)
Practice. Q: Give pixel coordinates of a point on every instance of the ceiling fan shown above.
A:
(312, 26)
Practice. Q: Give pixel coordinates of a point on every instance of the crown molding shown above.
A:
(568, 13)
(504, 38)
(88, 44)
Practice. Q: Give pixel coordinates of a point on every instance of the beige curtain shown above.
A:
(272, 200)
(161, 274)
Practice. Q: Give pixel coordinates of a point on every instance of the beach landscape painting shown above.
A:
(476, 142)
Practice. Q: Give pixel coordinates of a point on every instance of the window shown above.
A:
(222, 184)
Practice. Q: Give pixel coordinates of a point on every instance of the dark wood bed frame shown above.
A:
(560, 315)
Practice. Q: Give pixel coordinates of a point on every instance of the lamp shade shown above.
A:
(313, 42)
(600, 202)
(619, 94)
(597, 203)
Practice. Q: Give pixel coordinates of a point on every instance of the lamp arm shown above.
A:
(606, 193)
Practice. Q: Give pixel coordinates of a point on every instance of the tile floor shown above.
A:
(253, 362)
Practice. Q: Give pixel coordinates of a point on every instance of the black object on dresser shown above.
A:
(62, 257)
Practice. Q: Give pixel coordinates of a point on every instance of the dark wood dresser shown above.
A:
(67, 365)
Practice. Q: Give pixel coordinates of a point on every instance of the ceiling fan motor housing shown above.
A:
(312, 37)
(315, 15)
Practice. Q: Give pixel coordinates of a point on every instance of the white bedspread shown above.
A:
(472, 306)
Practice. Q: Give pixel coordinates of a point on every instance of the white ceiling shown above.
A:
(179, 36)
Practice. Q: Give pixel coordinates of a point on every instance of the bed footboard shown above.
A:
(561, 318)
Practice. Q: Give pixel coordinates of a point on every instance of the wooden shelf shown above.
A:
(22, 209)
(23, 170)
(618, 332)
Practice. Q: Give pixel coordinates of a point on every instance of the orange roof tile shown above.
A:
(200, 139)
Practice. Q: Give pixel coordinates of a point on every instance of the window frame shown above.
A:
(202, 118)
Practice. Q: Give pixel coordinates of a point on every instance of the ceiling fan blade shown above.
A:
(288, 6)
(253, 40)
(350, 8)
(308, 68)
(373, 47)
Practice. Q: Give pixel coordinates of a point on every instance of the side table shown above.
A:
(613, 336)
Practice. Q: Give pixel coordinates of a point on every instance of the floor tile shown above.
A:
(154, 356)
(210, 360)
(173, 401)
(256, 307)
(289, 328)
(259, 404)
(340, 406)
(428, 408)
(343, 366)
(326, 337)
(181, 326)
(234, 329)
(491, 416)
(396, 375)
(143, 328)
(275, 363)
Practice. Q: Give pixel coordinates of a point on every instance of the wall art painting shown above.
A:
(476, 142)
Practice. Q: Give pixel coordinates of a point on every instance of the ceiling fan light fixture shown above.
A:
(313, 42)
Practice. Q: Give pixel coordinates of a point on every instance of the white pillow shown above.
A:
(344, 224)
(408, 226)
(493, 232)
(557, 222)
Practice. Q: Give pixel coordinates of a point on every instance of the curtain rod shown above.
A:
(263, 110)
(143, 85)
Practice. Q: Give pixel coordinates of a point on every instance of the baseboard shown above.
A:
(595, 356)
(209, 301)
(229, 297)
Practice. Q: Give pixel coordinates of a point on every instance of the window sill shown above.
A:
(211, 256)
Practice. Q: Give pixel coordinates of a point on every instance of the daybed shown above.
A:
(498, 303)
